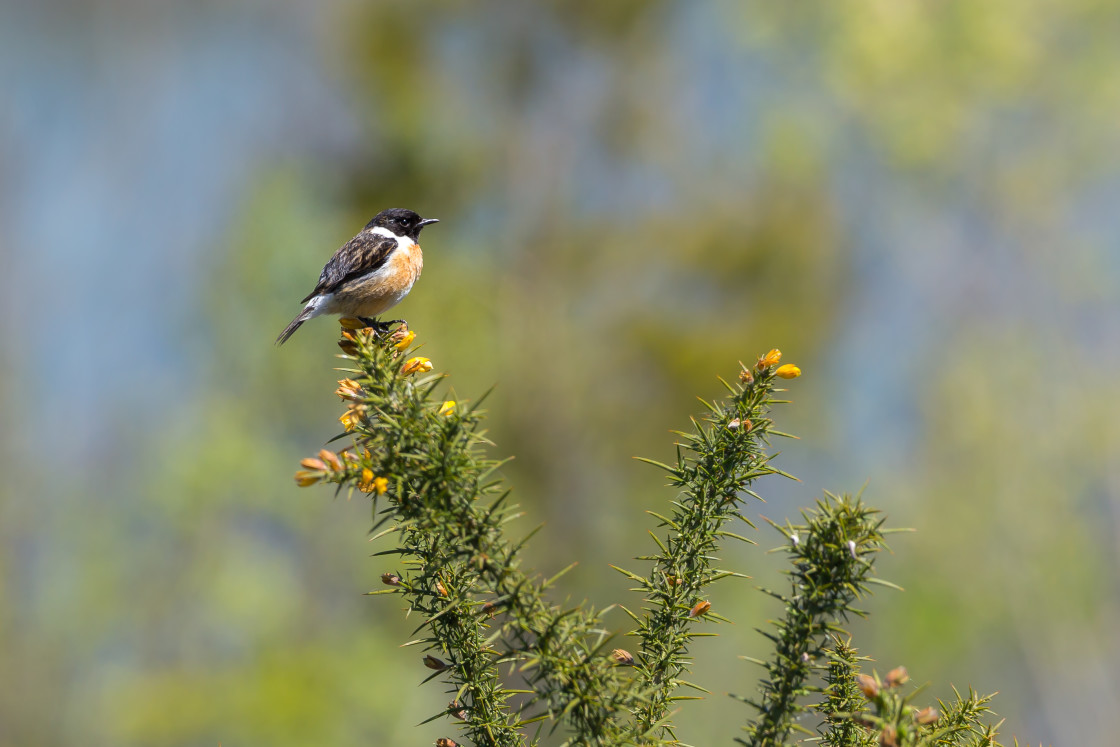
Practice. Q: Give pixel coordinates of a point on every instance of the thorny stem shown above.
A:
(715, 465)
(461, 571)
(831, 557)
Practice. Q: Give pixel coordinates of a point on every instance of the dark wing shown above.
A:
(360, 255)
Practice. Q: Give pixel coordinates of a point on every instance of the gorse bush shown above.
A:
(518, 667)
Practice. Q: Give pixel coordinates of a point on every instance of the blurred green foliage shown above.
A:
(633, 195)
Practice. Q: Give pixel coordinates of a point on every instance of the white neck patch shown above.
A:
(382, 231)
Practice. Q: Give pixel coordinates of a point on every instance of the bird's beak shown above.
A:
(426, 221)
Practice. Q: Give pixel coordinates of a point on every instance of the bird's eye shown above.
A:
(405, 222)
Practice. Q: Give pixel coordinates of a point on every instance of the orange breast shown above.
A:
(380, 291)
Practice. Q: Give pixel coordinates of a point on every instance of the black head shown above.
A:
(400, 221)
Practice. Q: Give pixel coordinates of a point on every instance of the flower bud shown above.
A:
(888, 737)
(390, 579)
(700, 608)
(330, 458)
(869, 686)
(623, 657)
(315, 464)
(447, 408)
(746, 376)
(445, 742)
(897, 676)
(788, 371)
(441, 588)
(456, 709)
(304, 479)
(927, 715)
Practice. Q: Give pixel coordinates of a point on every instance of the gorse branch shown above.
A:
(843, 699)
(894, 721)
(715, 465)
(831, 556)
(421, 457)
(962, 723)
(517, 666)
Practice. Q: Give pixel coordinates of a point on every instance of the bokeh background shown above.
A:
(915, 201)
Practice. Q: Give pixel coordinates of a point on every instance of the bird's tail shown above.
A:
(290, 330)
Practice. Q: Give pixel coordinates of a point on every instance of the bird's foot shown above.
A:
(380, 328)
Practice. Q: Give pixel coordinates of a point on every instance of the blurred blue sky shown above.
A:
(129, 133)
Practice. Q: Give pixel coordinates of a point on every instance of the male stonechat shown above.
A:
(370, 274)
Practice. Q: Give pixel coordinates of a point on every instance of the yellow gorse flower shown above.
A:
(371, 484)
(405, 339)
(416, 365)
(398, 334)
(772, 358)
(447, 408)
(788, 371)
(352, 417)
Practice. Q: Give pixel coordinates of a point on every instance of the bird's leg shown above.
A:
(379, 327)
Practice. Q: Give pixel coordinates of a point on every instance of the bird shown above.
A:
(369, 274)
